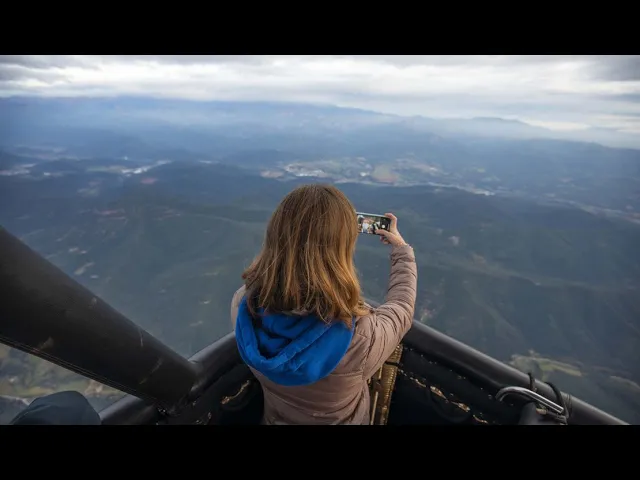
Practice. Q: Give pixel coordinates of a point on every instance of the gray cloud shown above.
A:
(620, 68)
(16, 72)
(608, 62)
(38, 62)
(88, 61)
(558, 91)
(191, 59)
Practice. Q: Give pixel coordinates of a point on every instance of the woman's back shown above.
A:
(314, 370)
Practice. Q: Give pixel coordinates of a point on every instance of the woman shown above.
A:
(300, 322)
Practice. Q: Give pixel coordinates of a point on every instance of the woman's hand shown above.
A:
(392, 237)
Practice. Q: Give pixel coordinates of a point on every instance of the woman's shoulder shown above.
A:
(237, 297)
(235, 304)
(379, 318)
(365, 323)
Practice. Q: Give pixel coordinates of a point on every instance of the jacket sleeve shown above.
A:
(392, 320)
(235, 303)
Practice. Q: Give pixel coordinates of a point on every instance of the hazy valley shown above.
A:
(527, 248)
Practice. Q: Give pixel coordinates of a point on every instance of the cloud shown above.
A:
(589, 91)
(622, 68)
(17, 73)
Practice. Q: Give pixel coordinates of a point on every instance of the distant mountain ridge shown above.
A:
(102, 112)
(496, 155)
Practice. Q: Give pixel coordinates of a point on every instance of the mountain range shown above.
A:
(527, 248)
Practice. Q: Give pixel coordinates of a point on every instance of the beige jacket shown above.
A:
(342, 397)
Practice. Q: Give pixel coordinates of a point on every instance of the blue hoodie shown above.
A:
(291, 350)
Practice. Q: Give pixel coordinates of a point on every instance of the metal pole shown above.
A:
(46, 313)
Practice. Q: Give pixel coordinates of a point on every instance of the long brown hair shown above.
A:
(306, 263)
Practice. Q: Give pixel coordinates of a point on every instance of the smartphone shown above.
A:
(370, 222)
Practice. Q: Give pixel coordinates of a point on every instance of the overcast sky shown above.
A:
(559, 92)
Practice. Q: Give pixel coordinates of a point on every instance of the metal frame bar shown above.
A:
(214, 361)
(48, 314)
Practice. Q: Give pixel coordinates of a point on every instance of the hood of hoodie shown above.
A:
(291, 350)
